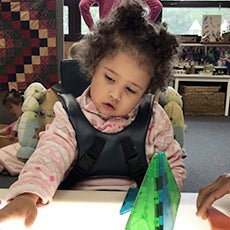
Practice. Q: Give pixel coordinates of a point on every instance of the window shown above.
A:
(66, 20)
(173, 13)
(71, 20)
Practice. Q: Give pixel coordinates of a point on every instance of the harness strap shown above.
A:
(88, 159)
(84, 164)
(136, 169)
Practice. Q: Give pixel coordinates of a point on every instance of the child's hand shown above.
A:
(212, 192)
(21, 207)
(12, 136)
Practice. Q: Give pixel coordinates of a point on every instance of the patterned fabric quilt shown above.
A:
(27, 43)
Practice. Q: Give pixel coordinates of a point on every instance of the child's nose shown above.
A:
(115, 94)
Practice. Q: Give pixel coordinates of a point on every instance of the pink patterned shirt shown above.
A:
(57, 146)
(105, 7)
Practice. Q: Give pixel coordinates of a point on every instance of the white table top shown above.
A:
(100, 210)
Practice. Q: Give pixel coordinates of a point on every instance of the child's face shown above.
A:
(118, 84)
(15, 110)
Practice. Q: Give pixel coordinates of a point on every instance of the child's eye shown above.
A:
(108, 78)
(131, 90)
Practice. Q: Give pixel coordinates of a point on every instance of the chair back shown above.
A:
(73, 80)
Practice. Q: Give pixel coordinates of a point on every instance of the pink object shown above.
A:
(218, 220)
(105, 7)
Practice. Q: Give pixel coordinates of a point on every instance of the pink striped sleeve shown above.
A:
(52, 158)
(160, 137)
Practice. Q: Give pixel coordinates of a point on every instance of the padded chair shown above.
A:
(72, 78)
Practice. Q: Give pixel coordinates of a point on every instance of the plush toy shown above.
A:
(37, 112)
(46, 113)
(172, 103)
(29, 124)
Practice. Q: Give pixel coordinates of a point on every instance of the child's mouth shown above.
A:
(108, 106)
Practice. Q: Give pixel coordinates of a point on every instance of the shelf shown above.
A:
(201, 67)
(205, 44)
(205, 78)
(216, 67)
(198, 76)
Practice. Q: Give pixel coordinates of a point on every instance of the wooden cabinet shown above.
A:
(201, 56)
(201, 79)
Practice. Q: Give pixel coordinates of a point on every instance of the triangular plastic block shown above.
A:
(171, 195)
(157, 201)
(129, 200)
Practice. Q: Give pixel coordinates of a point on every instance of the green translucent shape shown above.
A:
(157, 201)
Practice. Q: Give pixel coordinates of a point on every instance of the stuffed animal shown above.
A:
(172, 103)
(46, 113)
(29, 124)
(37, 112)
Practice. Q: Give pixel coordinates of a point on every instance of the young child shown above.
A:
(13, 102)
(126, 58)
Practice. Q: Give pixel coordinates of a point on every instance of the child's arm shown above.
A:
(12, 136)
(21, 207)
(84, 6)
(52, 157)
(4, 131)
(9, 131)
(161, 138)
(155, 7)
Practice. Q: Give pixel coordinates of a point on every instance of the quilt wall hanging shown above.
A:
(28, 50)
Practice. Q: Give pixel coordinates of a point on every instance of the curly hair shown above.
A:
(13, 96)
(127, 29)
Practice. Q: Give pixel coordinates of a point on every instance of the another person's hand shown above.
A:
(21, 207)
(212, 192)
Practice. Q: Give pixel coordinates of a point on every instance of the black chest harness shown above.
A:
(103, 155)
